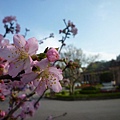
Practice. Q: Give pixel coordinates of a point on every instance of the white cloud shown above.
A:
(50, 42)
(107, 56)
(102, 55)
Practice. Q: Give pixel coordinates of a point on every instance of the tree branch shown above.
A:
(9, 77)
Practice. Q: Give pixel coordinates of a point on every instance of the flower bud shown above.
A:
(52, 55)
(2, 113)
(2, 98)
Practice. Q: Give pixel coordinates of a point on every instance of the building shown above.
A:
(95, 70)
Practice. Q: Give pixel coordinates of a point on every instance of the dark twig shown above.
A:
(39, 98)
(9, 77)
(17, 107)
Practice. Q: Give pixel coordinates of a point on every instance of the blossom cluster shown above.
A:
(24, 73)
(70, 28)
(39, 75)
(11, 25)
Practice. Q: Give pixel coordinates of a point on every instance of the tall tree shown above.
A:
(118, 58)
(70, 52)
(74, 60)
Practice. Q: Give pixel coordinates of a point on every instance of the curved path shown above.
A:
(78, 110)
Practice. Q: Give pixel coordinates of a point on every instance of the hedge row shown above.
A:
(84, 96)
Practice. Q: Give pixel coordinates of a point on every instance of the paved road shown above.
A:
(79, 110)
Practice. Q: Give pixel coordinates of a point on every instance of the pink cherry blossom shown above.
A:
(4, 89)
(28, 109)
(17, 28)
(52, 55)
(2, 97)
(55, 75)
(3, 42)
(45, 77)
(28, 77)
(16, 84)
(74, 30)
(6, 67)
(9, 19)
(19, 54)
(43, 64)
(70, 23)
(50, 78)
(40, 86)
(2, 113)
(21, 96)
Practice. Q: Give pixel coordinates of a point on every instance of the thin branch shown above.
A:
(39, 98)
(9, 77)
(60, 116)
(18, 106)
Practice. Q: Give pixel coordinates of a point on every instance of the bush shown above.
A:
(89, 90)
(87, 96)
(63, 92)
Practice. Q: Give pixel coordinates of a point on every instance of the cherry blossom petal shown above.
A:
(54, 85)
(41, 88)
(27, 65)
(57, 72)
(27, 107)
(32, 46)
(43, 63)
(9, 53)
(4, 89)
(19, 41)
(29, 77)
(15, 68)
(5, 42)
(36, 82)
(52, 55)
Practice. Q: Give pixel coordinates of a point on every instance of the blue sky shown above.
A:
(98, 22)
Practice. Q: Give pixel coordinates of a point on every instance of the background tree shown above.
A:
(118, 58)
(70, 52)
(73, 62)
(98, 66)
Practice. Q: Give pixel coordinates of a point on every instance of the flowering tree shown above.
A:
(74, 65)
(21, 69)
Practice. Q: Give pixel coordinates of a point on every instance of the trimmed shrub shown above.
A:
(63, 92)
(89, 90)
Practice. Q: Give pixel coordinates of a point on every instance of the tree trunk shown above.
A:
(71, 91)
